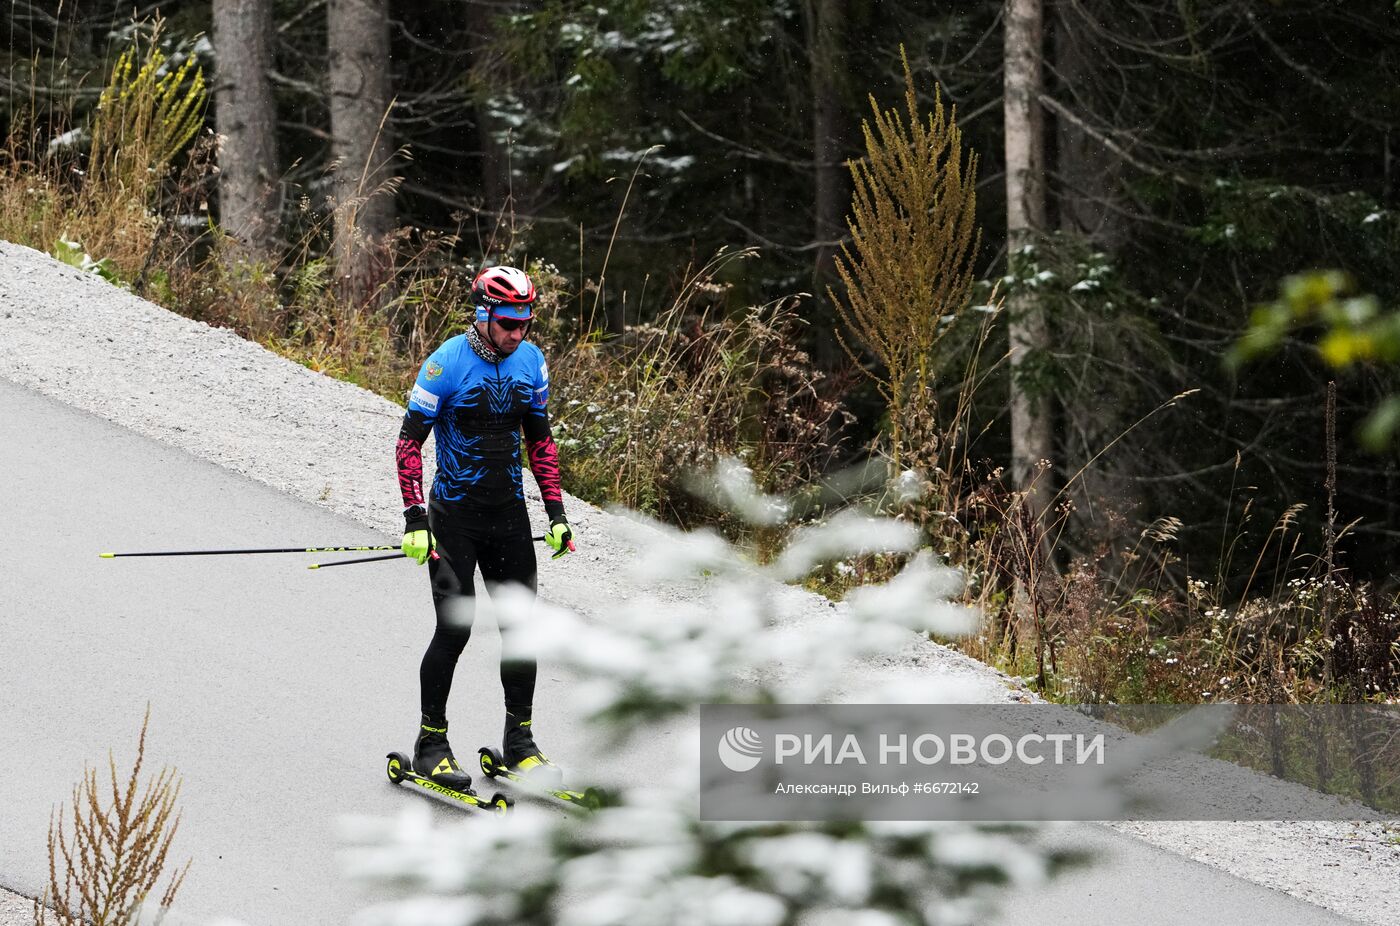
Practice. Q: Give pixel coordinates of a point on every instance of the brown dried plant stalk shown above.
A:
(112, 855)
(908, 268)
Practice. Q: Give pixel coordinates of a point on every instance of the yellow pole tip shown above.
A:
(106, 555)
(314, 566)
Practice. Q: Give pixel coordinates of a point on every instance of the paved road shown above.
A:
(276, 691)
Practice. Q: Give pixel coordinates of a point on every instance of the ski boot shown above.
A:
(522, 764)
(433, 759)
(523, 759)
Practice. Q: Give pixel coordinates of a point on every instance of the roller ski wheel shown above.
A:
(493, 765)
(400, 770)
(492, 762)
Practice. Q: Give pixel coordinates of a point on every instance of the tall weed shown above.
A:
(99, 185)
(106, 857)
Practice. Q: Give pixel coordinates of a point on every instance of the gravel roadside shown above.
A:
(15, 910)
(69, 335)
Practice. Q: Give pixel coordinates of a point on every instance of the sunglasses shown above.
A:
(512, 324)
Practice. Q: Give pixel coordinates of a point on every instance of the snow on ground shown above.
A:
(68, 335)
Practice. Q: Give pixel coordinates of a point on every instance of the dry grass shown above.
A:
(1131, 626)
(97, 183)
(106, 856)
(636, 414)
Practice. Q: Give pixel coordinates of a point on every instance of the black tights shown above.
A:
(500, 543)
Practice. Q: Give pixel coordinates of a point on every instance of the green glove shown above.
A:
(417, 545)
(560, 538)
(418, 541)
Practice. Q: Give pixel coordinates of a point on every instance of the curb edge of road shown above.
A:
(15, 909)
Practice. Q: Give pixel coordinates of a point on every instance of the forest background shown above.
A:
(1150, 178)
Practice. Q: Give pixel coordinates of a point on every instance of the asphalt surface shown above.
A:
(276, 691)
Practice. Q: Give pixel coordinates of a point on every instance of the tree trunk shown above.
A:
(826, 26)
(1086, 183)
(365, 213)
(249, 198)
(1031, 435)
(490, 75)
(1087, 170)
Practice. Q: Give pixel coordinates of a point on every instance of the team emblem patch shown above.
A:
(433, 370)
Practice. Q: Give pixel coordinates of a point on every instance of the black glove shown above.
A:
(418, 541)
(415, 518)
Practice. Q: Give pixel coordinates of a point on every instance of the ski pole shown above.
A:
(372, 559)
(345, 549)
(367, 559)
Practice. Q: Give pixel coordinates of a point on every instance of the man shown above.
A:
(479, 390)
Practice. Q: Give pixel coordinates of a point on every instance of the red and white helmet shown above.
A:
(503, 292)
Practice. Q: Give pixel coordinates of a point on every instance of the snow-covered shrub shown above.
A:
(648, 859)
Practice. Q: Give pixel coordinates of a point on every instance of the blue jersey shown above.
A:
(477, 409)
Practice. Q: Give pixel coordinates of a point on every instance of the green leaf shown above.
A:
(70, 252)
(1380, 426)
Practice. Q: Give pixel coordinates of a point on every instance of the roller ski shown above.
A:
(523, 765)
(493, 765)
(435, 770)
